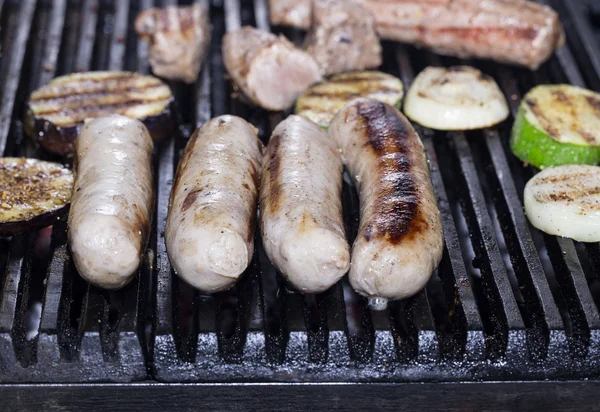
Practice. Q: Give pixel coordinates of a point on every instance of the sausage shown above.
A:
(113, 198)
(301, 206)
(212, 209)
(400, 239)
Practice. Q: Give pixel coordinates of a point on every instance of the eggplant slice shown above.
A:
(56, 111)
(33, 194)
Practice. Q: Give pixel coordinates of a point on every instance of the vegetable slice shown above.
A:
(322, 101)
(565, 201)
(56, 111)
(33, 194)
(455, 98)
(558, 125)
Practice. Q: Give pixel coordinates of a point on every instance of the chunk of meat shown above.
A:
(295, 13)
(343, 37)
(268, 69)
(179, 38)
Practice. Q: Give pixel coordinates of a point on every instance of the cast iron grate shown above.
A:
(507, 302)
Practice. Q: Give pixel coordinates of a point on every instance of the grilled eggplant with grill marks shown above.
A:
(33, 194)
(56, 111)
(322, 101)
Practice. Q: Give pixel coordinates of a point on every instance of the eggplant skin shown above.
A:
(33, 194)
(56, 112)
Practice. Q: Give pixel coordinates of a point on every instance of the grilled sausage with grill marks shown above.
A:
(111, 206)
(212, 211)
(400, 241)
(301, 206)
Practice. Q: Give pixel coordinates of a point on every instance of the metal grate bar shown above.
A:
(453, 274)
(582, 25)
(16, 54)
(87, 36)
(53, 42)
(261, 14)
(494, 273)
(232, 15)
(526, 262)
(117, 48)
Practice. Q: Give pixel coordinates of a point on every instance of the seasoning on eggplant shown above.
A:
(455, 98)
(33, 194)
(56, 111)
(557, 125)
(565, 201)
(322, 101)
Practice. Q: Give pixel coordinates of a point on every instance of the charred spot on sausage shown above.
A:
(397, 202)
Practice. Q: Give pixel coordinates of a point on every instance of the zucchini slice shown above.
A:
(56, 111)
(565, 201)
(322, 101)
(33, 194)
(455, 98)
(557, 125)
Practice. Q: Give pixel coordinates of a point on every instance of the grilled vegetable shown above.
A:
(557, 125)
(322, 101)
(455, 98)
(56, 112)
(33, 194)
(565, 201)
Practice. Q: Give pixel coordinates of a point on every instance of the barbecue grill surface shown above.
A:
(507, 302)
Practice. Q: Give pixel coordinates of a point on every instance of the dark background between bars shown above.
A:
(507, 303)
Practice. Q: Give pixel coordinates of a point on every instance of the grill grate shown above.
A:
(507, 302)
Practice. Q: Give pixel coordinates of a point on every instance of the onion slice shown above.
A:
(565, 201)
(455, 98)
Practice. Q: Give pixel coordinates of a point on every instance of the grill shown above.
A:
(507, 303)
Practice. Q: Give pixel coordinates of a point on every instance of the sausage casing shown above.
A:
(400, 239)
(212, 213)
(113, 197)
(301, 206)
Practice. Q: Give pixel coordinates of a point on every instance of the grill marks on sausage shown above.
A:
(396, 212)
(273, 201)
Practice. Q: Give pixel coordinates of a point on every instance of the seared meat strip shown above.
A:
(179, 38)
(343, 37)
(512, 31)
(268, 69)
